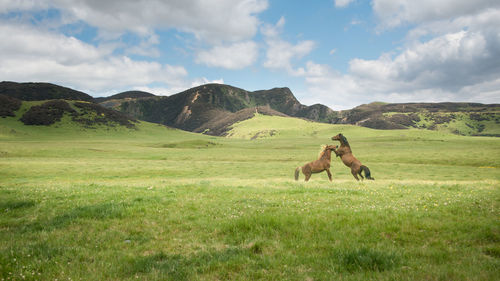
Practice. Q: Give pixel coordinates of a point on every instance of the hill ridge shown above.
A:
(197, 108)
(37, 91)
(213, 108)
(133, 94)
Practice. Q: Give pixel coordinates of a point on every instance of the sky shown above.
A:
(340, 53)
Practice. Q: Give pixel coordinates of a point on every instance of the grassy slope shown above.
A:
(161, 204)
(461, 123)
(12, 129)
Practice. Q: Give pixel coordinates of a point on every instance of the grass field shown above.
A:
(162, 204)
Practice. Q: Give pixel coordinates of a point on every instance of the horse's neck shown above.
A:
(327, 155)
(345, 148)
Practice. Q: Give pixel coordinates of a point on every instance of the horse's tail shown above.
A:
(367, 172)
(297, 173)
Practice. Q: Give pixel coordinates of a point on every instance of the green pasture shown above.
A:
(155, 203)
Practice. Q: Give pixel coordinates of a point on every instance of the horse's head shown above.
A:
(341, 138)
(325, 149)
(337, 137)
(331, 147)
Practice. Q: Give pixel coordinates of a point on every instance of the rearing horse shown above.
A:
(345, 153)
(318, 166)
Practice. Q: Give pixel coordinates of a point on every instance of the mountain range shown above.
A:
(214, 108)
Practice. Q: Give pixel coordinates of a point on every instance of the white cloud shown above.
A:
(234, 56)
(158, 91)
(26, 41)
(226, 25)
(37, 55)
(452, 54)
(203, 81)
(329, 87)
(461, 66)
(21, 5)
(486, 22)
(43, 54)
(209, 20)
(147, 47)
(392, 13)
(356, 22)
(280, 53)
(342, 3)
(273, 31)
(463, 51)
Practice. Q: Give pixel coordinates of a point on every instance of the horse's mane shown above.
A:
(322, 151)
(345, 140)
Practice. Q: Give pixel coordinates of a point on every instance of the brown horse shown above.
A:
(318, 166)
(345, 153)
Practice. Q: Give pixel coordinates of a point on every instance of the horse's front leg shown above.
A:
(329, 174)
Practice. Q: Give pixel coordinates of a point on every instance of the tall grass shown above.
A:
(160, 204)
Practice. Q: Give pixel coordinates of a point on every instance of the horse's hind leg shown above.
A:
(306, 170)
(308, 176)
(359, 173)
(355, 174)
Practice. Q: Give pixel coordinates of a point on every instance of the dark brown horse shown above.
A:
(345, 153)
(318, 166)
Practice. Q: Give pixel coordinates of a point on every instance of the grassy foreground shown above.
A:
(161, 204)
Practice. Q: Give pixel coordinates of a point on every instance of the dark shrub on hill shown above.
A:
(8, 105)
(407, 120)
(442, 118)
(125, 95)
(47, 113)
(381, 124)
(400, 107)
(93, 114)
(356, 115)
(482, 116)
(41, 91)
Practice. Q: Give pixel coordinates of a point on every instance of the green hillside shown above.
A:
(212, 108)
(468, 119)
(260, 126)
(109, 202)
(202, 108)
(87, 123)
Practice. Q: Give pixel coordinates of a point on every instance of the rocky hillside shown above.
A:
(212, 108)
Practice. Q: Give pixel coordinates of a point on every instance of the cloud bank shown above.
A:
(35, 53)
(453, 53)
